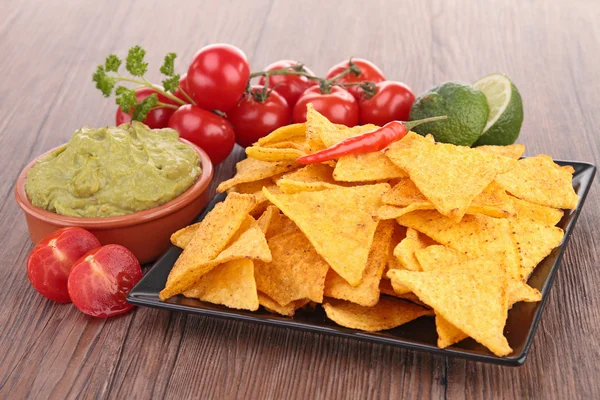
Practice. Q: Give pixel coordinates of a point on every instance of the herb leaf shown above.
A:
(141, 109)
(172, 83)
(168, 67)
(125, 98)
(112, 63)
(135, 61)
(103, 81)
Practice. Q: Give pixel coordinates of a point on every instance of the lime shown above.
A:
(506, 110)
(465, 106)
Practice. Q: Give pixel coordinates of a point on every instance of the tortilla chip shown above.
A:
(312, 173)
(438, 256)
(471, 296)
(388, 313)
(368, 167)
(212, 235)
(386, 212)
(449, 176)
(514, 151)
(337, 222)
(398, 235)
(315, 123)
(280, 224)
(273, 154)
(287, 132)
(265, 219)
(367, 292)
(250, 170)
(405, 250)
(230, 284)
(289, 186)
(543, 214)
(568, 168)
(298, 143)
(535, 240)
(274, 307)
(296, 271)
(448, 334)
(539, 180)
(254, 187)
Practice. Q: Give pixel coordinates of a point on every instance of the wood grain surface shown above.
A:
(49, 50)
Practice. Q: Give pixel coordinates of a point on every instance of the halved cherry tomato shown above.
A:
(290, 87)
(338, 106)
(217, 77)
(205, 129)
(156, 119)
(101, 279)
(50, 261)
(368, 72)
(252, 119)
(391, 102)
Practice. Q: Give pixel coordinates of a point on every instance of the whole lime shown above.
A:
(466, 107)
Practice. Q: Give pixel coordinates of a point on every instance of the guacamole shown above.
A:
(113, 171)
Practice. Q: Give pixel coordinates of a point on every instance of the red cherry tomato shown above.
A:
(101, 279)
(156, 119)
(391, 102)
(338, 106)
(205, 129)
(368, 72)
(183, 85)
(290, 87)
(252, 119)
(217, 77)
(50, 261)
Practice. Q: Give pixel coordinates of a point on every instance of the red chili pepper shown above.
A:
(368, 142)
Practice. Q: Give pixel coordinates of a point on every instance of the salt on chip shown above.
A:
(230, 284)
(212, 235)
(470, 296)
(539, 180)
(543, 214)
(337, 222)
(295, 272)
(273, 154)
(449, 176)
(514, 151)
(272, 306)
(405, 250)
(284, 133)
(367, 292)
(250, 170)
(388, 313)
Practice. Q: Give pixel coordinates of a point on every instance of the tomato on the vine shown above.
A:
(157, 118)
(253, 118)
(338, 106)
(290, 87)
(217, 77)
(205, 129)
(368, 72)
(391, 102)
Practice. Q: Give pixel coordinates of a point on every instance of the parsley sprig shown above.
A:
(107, 76)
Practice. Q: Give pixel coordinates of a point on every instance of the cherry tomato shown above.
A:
(50, 261)
(156, 119)
(217, 77)
(183, 85)
(252, 119)
(338, 106)
(205, 129)
(391, 102)
(290, 87)
(101, 279)
(368, 72)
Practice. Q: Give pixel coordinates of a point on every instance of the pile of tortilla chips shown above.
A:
(379, 239)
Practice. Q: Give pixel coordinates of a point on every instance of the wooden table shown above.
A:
(49, 51)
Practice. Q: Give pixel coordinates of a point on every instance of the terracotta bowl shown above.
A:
(146, 233)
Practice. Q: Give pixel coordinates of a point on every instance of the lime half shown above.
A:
(506, 110)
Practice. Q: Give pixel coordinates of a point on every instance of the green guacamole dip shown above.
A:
(114, 171)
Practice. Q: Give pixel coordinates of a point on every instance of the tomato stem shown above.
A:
(165, 105)
(158, 89)
(284, 71)
(187, 96)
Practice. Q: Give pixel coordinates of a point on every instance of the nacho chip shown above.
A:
(298, 143)
(398, 235)
(568, 168)
(274, 307)
(265, 219)
(289, 186)
(250, 170)
(312, 177)
(368, 167)
(212, 235)
(449, 176)
(514, 151)
(471, 296)
(448, 334)
(367, 292)
(539, 180)
(438, 256)
(337, 222)
(543, 214)
(230, 284)
(405, 250)
(287, 132)
(535, 241)
(280, 224)
(386, 212)
(385, 287)
(388, 313)
(315, 124)
(296, 271)
(273, 154)
(254, 187)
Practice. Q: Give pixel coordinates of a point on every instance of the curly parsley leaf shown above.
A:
(172, 83)
(103, 81)
(125, 98)
(135, 61)
(112, 63)
(141, 109)
(168, 67)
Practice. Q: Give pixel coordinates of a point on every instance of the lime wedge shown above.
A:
(506, 110)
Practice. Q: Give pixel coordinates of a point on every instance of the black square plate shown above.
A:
(419, 334)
